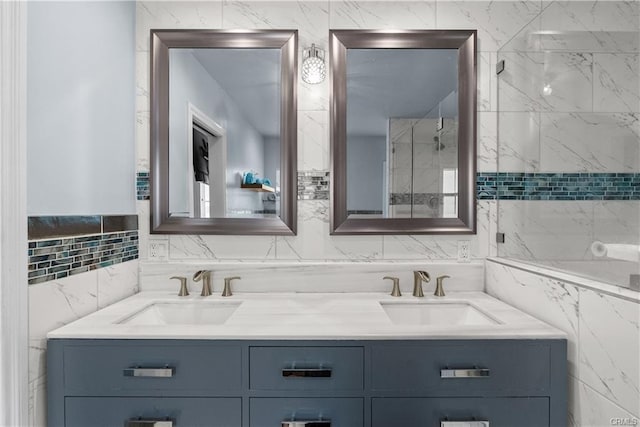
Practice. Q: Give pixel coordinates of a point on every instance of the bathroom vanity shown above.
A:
(348, 360)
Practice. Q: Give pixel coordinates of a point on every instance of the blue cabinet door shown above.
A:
(509, 368)
(194, 369)
(182, 412)
(430, 412)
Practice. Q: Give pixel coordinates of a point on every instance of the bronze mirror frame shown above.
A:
(161, 42)
(465, 41)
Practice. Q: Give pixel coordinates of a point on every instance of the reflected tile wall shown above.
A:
(616, 82)
(549, 81)
(546, 230)
(589, 142)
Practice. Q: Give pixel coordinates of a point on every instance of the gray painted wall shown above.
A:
(80, 108)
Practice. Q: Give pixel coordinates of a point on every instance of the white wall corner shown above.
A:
(14, 387)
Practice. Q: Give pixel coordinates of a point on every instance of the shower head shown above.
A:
(439, 145)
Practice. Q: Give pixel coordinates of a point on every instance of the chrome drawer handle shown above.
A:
(166, 372)
(464, 423)
(307, 372)
(464, 373)
(149, 423)
(316, 423)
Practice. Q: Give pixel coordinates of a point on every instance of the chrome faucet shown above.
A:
(226, 292)
(418, 278)
(205, 276)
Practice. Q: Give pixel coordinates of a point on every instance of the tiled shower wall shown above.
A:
(497, 23)
(569, 131)
(602, 333)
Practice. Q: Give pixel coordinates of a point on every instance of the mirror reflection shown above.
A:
(402, 133)
(224, 132)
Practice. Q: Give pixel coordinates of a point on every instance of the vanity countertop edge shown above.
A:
(307, 316)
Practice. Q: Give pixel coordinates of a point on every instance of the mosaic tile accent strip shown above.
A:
(142, 186)
(364, 212)
(430, 199)
(58, 258)
(313, 185)
(558, 186)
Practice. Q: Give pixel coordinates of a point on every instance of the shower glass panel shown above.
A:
(568, 181)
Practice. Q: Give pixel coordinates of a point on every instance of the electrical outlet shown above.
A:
(157, 250)
(463, 251)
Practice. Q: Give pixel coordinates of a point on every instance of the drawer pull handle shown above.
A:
(165, 372)
(307, 373)
(464, 423)
(316, 423)
(464, 373)
(139, 422)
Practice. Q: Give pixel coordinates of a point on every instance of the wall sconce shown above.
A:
(313, 68)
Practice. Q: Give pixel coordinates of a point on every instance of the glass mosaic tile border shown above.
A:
(557, 186)
(313, 185)
(142, 186)
(58, 258)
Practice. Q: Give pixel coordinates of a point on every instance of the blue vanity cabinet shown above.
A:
(179, 411)
(348, 383)
(496, 412)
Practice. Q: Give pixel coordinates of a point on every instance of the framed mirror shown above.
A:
(403, 131)
(223, 132)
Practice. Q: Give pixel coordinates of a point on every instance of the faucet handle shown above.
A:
(183, 286)
(395, 292)
(439, 289)
(226, 292)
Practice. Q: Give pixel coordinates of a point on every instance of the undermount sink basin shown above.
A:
(183, 313)
(454, 314)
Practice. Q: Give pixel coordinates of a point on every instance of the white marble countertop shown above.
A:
(308, 316)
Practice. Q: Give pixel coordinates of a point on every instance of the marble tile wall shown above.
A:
(603, 338)
(57, 302)
(570, 103)
(497, 23)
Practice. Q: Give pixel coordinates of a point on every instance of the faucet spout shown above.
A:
(418, 278)
(205, 276)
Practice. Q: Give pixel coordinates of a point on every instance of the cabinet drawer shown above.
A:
(182, 412)
(327, 412)
(151, 370)
(498, 412)
(471, 368)
(306, 368)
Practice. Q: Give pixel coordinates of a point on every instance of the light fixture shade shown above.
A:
(314, 70)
